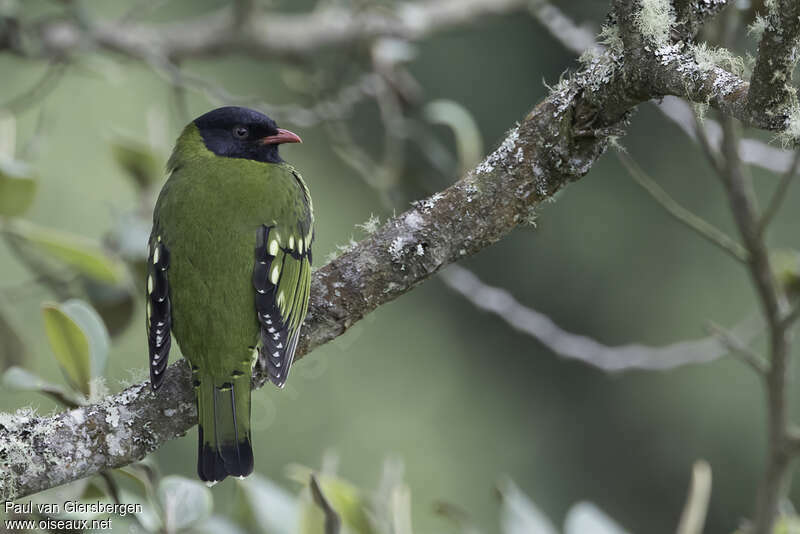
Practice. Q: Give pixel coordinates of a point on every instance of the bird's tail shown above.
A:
(223, 411)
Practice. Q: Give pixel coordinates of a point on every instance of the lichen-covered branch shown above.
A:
(578, 39)
(771, 90)
(656, 65)
(691, 14)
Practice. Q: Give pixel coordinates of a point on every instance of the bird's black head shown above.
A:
(236, 132)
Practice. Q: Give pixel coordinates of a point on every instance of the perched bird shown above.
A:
(229, 272)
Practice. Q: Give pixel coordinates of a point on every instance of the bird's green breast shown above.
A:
(208, 215)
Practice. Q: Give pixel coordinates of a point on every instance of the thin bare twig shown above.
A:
(711, 150)
(699, 225)
(585, 349)
(779, 195)
(741, 349)
(774, 307)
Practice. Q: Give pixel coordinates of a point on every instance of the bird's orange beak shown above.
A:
(283, 136)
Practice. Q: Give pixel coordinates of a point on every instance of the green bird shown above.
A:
(229, 272)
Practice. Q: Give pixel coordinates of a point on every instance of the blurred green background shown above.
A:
(455, 393)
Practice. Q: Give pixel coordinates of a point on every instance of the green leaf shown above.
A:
(148, 517)
(17, 188)
(785, 265)
(145, 472)
(269, 506)
(70, 346)
(344, 498)
(67, 492)
(184, 502)
(95, 330)
(519, 515)
(138, 160)
(586, 518)
(80, 253)
(332, 522)
(19, 379)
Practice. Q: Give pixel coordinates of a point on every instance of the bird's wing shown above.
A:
(159, 318)
(282, 279)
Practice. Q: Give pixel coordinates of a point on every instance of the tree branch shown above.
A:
(703, 228)
(585, 349)
(578, 39)
(775, 308)
(771, 83)
(267, 35)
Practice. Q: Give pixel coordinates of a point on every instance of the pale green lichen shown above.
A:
(709, 57)
(135, 376)
(97, 389)
(700, 110)
(341, 249)
(609, 36)
(396, 249)
(18, 432)
(757, 28)
(413, 220)
(790, 136)
(429, 203)
(112, 416)
(370, 225)
(501, 155)
(654, 20)
(563, 83)
(530, 217)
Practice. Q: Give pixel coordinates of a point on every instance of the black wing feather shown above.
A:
(159, 316)
(278, 340)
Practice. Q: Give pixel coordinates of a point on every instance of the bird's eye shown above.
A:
(241, 132)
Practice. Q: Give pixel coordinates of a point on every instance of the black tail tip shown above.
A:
(234, 459)
(237, 457)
